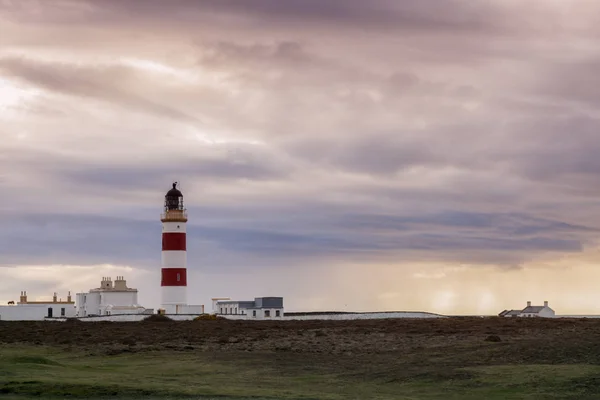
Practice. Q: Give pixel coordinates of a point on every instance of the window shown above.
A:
(278, 313)
(236, 310)
(62, 312)
(267, 313)
(254, 313)
(221, 310)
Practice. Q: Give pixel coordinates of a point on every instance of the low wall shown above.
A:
(332, 316)
(130, 318)
(368, 315)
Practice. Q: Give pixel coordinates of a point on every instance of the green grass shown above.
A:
(40, 372)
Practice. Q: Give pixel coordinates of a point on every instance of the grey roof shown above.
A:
(509, 312)
(533, 309)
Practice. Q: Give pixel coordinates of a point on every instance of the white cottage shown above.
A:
(109, 299)
(537, 311)
(530, 312)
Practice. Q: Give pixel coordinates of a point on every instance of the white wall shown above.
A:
(234, 308)
(134, 318)
(96, 303)
(119, 298)
(23, 313)
(87, 303)
(191, 309)
(338, 317)
(34, 312)
(139, 317)
(545, 312)
(228, 308)
(261, 313)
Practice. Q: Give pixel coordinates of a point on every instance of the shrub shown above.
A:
(493, 338)
(157, 318)
(208, 317)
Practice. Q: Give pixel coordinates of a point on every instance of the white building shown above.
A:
(530, 312)
(26, 310)
(260, 308)
(109, 299)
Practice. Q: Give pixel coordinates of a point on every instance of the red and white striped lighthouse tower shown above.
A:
(174, 257)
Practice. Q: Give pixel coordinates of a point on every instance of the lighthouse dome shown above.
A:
(174, 199)
(174, 192)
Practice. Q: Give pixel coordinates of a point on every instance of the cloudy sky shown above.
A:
(439, 155)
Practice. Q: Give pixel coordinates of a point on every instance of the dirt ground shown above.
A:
(518, 339)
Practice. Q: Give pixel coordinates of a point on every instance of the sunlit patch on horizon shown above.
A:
(443, 300)
(79, 277)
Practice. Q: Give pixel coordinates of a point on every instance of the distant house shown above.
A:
(530, 312)
(260, 308)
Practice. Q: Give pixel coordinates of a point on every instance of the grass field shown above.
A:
(445, 359)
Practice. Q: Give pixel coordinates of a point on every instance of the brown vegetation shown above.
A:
(515, 338)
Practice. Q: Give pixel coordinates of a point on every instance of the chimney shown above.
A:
(545, 304)
(69, 297)
(25, 297)
(54, 298)
(528, 304)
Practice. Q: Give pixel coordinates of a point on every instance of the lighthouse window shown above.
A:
(178, 277)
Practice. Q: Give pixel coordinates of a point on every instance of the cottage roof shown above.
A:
(510, 312)
(533, 309)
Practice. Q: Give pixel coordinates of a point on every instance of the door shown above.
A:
(49, 312)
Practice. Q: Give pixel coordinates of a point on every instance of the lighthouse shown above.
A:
(174, 253)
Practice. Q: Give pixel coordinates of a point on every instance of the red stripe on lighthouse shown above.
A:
(173, 241)
(173, 277)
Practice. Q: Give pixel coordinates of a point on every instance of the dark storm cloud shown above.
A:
(426, 15)
(144, 177)
(85, 239)
(492, 224)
